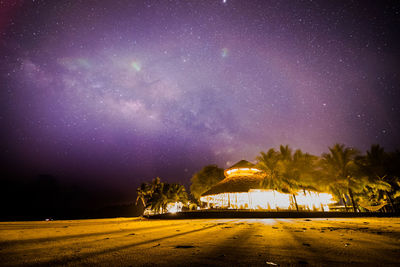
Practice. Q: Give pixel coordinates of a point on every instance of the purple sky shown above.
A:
(114, 93)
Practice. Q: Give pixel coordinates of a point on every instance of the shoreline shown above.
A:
(216, 214)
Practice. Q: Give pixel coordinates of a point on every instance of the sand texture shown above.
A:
(202, 242)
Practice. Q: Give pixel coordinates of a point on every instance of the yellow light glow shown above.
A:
(314, 201)
(242, 172)
(174, 207)
(262, 199)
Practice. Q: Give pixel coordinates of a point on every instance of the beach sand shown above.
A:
(202, 242)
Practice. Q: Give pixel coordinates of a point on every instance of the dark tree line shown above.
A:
(157, 195)
(359, 181)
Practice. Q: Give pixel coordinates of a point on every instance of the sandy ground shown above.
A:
(212, 242)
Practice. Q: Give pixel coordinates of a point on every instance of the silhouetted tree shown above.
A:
(157, 195)
(268, 163)
(286, 171)
(340, 167)
(381, 182)
(297, 172)
(205, 179)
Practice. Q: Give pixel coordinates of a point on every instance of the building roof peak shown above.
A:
(242, 164)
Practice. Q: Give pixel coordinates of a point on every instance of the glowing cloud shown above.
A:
(224, 52)
(136, 65)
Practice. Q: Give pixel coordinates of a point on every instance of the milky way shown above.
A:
(118, 92)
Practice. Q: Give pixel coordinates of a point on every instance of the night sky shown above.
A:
(114, 93)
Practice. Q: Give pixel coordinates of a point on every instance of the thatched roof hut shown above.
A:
(240, 177)
(241, 189)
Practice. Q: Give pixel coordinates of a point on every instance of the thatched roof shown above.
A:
(236, 184)
(240, 183)
(242, 164)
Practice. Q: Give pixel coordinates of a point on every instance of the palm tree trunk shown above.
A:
(295, 202)
(391, 201)
(344, 202)
(352, 200)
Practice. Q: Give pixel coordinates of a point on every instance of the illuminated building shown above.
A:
(241, 189)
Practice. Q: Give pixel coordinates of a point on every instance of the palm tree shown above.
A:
(176, 193)
(308, 172)
(394, 176)
(151, 195)
(375, 194)
(297, 171)
(203, 180)
(143, 194)
(289, 178)
(285, 152)
(285, 171)
(289, 175)
(306, 167)
(375, 165)
(267, 162)
(157, 195)
(339, 165)
(146, 191)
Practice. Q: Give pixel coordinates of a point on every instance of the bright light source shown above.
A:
(174, 207)
(262, 199)
(242, 172)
